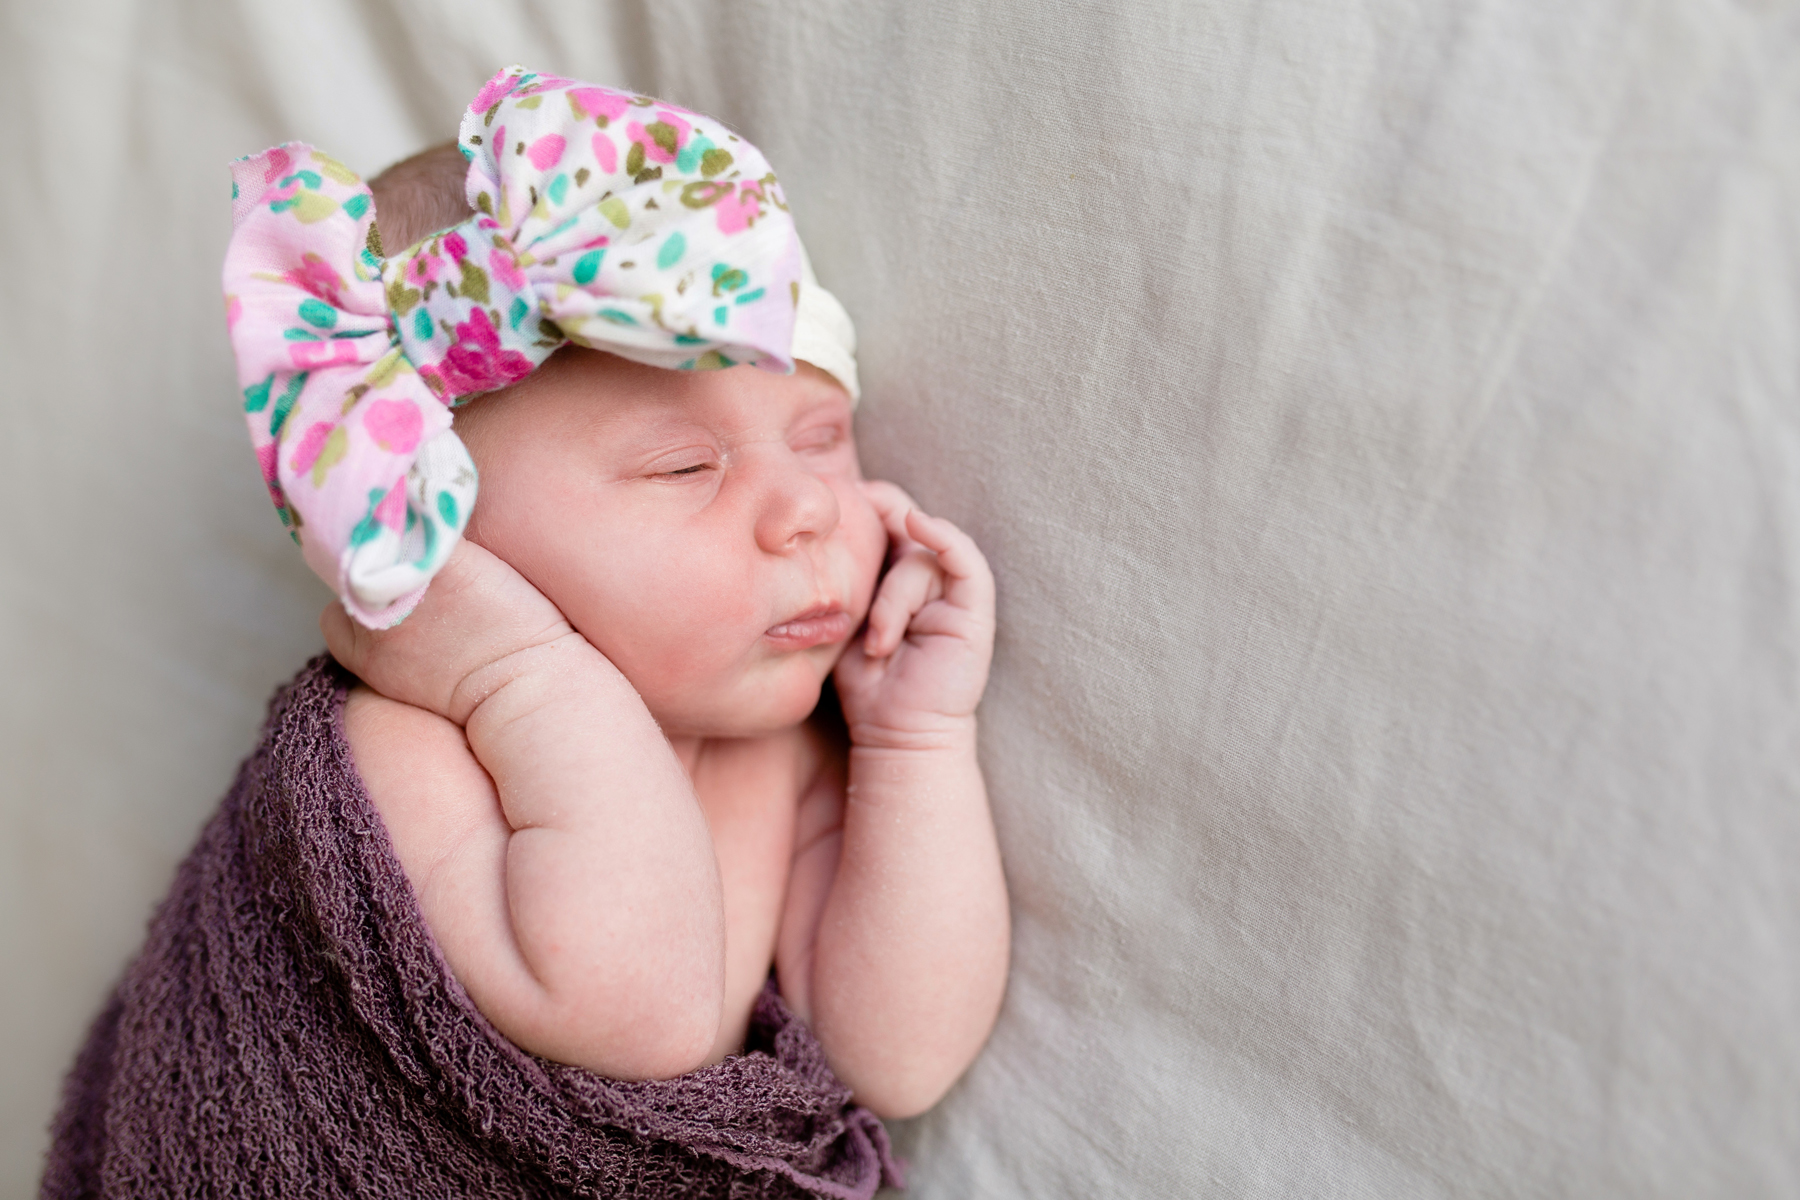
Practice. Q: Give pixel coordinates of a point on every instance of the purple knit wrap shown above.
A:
(290, 1029)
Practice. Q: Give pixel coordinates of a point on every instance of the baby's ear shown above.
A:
(420, 195)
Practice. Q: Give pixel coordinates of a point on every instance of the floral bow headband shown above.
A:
(602, 218)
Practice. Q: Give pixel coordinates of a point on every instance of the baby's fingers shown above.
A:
(888, 500)
(909, 586)
(891, 505)
(969, 584)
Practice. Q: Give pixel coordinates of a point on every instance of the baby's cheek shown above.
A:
(743, 609)
(708, 607)
(868, 542)
(692, 652)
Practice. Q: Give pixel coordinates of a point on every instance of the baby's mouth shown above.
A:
(815, 627)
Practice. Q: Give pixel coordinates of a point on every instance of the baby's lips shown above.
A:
(815, 627)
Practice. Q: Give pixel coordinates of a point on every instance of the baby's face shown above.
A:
(707, 531)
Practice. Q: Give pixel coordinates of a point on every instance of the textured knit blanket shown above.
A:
(290, 1029)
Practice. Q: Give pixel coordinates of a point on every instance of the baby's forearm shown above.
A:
(911, 952)
(612, 888)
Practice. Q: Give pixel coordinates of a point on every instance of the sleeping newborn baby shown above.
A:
(590, 743)
(587, 708)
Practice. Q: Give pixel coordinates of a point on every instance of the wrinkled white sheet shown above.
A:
(1383, 419)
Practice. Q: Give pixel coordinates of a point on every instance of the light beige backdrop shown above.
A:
(1383, 419)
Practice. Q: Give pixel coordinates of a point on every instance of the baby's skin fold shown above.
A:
(590, 749)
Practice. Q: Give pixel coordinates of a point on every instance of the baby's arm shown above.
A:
(895, 943)
(554, 841)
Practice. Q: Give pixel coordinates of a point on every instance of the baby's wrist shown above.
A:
(913, 770)
(924, 734)
(547, 663)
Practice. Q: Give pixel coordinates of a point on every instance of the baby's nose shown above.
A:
(796, 505)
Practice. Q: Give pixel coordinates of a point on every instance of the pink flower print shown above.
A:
(321, 448)
(422, 269)
(476, 363)
(332, 352)
(315, 275)
(505, 267)
(534, 83)
(394, 424)
(392, 509)
(493, 91)
(456, 248)
(605, 153)
(598, 102)
(664, 137)
(234, 308)
(311, 442)
(635, 131)
(286, 192)
(279, 162)
(435, 381)
(547, 151)
(266, 456)
(737, 213)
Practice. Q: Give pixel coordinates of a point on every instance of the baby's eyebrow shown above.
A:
(826, 396)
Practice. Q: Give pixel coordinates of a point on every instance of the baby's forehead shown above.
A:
(596, 395)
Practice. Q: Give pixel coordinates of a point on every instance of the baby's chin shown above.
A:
(766, 703)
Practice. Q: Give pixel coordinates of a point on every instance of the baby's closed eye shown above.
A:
(693, 460)
(819, 439)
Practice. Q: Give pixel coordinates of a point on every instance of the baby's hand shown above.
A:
(462, 642)
(919, 669)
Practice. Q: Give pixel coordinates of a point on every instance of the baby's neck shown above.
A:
(687, 752)
(695, 751)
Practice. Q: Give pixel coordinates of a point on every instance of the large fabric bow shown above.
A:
(601, 217)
